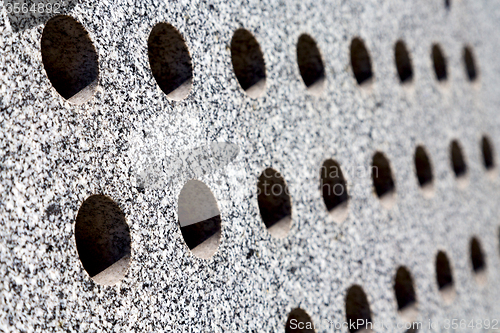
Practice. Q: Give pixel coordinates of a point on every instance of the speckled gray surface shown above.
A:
(54, 155)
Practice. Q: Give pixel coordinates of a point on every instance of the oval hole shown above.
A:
(383, 181)
(299, 322)
(170, 61)
(310, 64)
(405, 295)
(424, 170)
(357, 310)
(439, 62)
(444, 277)
(477, 260)
(70, 59)
(274, 203)
(103, 240)
(334, 188)
(199, 219)
(470, 64)
(457, 160)
(403, 62)
(248, 63)
(360, 62)
(488, 155)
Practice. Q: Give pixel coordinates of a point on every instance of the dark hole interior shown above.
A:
(310, 62)
(299, 322)
(273, 198)
(357, 308)
(403, 288)
(68, 55)
(477, 256)
(439, 63)
(423, 166)
(403, 62)
(382, 175)
(443, 271)
(360, 61)
(102, 234)
(197, 233)
(169, 58)
(470, 64)
(248, 60)
(457, 160)
(488, 159)
(333, 185)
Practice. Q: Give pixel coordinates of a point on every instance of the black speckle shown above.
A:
(46, 148)
(250, 253)
(53, 209)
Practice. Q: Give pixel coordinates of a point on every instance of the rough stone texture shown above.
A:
(54, 155)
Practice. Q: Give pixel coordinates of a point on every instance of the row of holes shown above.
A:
(103, 237)
(357, 306)
(71, 62)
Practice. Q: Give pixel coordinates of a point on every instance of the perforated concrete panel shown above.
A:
(345, 154)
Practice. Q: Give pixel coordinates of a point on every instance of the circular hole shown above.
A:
(488, 156)
(477, 260)
(360, 62)
(310, 63)
(199, 219)
(405, 295)
(439, 63)
(103, 240)
(299, 322)
(70, 59)
(458, 160)
(274, 203)
(357, 310)
(383, 182)
(403, 62)
(334, 188)
(248, 63)
(470, 64)
(424, 170)
(444, 277)
(170, 61)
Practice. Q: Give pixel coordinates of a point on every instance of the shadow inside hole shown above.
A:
(357, 308)
(360, 61)
(405, 295)
(423, 168)
(34, 12)
(199, 219)
(310, 63)
(299, 322)
(383, 182)
(170, 61)
(334, 188)
(439, 62)
(274, 203)
(103, 239)
(444, 277)
(248, 62)
(488, 158)
(470, 64)
(69, 58)
(403, 63)
(458, 160)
